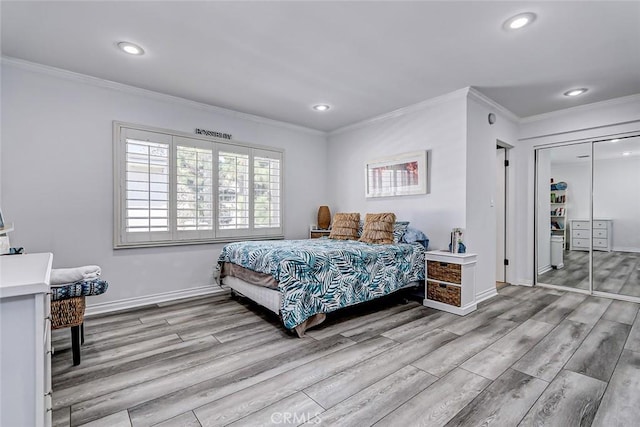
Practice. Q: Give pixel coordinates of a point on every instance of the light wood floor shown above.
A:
(530, 356)
(614, 272)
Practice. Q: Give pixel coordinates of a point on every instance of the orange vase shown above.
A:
(324, 217)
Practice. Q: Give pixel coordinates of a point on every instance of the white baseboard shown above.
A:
(124, 304)
(460, 311)
(544, 269)
(622, 249)
(485, 295)
(524, 282)
(562, 288)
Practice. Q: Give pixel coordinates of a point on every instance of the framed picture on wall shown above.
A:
(400, 175)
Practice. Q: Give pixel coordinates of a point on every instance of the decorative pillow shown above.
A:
(413, 235)
(345, 226)
(399, 228)
(378, 228)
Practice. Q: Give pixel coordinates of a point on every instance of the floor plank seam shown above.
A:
(318, 403)
(154, 379)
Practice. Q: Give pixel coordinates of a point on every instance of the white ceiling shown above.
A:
(277, 59)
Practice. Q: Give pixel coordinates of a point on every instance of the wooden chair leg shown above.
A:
(82, 333)
(75, 344)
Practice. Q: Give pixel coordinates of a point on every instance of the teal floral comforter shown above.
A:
(323, 275)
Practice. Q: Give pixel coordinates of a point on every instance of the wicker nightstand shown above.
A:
(450, 282)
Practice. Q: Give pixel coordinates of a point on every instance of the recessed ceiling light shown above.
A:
(321, 107)
(615, 140)
(131, 48)
(626, 153)
(519, 21)
(576, 92)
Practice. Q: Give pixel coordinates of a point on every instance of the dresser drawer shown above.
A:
(444, 271)
(600, 224)
(580, 225)
(580, 243)
(600, 243)
(599, 233)
(580, 234)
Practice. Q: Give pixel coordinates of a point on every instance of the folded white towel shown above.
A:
(71, 275)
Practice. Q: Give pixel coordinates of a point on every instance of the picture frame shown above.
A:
(400, 175)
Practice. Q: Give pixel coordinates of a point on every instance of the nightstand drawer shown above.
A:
(316, 234)
(444, 271)
(444, 293)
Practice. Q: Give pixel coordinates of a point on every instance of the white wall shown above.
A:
(616, 196)
(57, 174)
(438, 126)
(583, 122)
(594, 121)
(481, 179)
(462, 147)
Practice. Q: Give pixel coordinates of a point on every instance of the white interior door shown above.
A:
(500, 214)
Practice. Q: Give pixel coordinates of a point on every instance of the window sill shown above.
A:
(194, 242)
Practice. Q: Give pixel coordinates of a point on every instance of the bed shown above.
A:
(303, 280)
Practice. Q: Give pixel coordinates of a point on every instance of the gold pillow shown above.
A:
(378, 228)
(345, 226)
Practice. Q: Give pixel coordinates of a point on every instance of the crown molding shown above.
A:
(479, 96)
(582, 108)
(98, 82)
(458, 94)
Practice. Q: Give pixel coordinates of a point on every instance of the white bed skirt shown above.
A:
(269, 298)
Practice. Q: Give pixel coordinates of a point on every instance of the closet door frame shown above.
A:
(591, 290)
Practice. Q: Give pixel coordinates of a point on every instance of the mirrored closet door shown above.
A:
(588, 217)
(563, 194)
(616, 216)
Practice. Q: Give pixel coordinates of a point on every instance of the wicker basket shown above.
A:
(67, 312)
(444, 271)
(441, 292)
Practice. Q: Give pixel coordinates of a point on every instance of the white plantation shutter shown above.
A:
(233, 191)
(267, 187)
(145, 184)
(194, 188)
(173, 188)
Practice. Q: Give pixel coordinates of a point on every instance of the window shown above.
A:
(173, 188)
